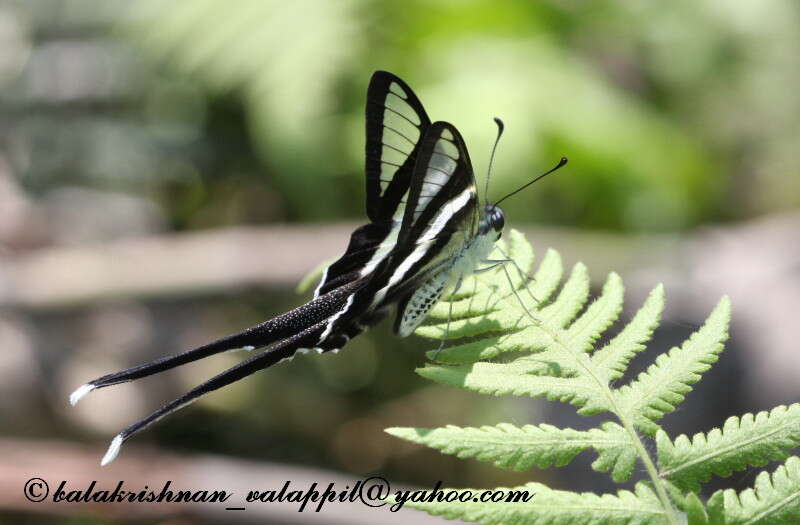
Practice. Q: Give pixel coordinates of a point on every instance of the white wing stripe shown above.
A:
(446, 213)
(431, 232)
(321, 282)
(332, 320)
(388, 244)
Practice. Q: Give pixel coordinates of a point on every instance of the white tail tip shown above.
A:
(112, 452)
(81, 391)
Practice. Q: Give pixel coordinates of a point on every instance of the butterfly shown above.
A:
(426, 233)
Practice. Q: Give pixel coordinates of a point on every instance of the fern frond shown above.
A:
(493, 320)
(521, 448)
(664, 384)
(555, 333)
(695, 510)
(470, 305)
(582, 334)
(548, 276)
(521, 252)
(742, 442)
(497, 317)
(544, 284)
(528, 339)
(517, 378)
(612, 359)
(774, 499)
(556, 507)
(570, 300)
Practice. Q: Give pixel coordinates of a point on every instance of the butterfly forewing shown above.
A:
(396, 123)
(424, 221)
(439, 218)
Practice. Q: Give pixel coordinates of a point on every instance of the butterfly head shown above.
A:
(493, 220)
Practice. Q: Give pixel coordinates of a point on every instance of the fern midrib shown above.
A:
(558, 442)
(582, 509)
(643, 398)
(732, 446)
(772, 508)
(627, 423)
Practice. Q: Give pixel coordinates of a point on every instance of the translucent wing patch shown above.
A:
(441, 166)
(443, 181)
(396, 123)
(401, 131)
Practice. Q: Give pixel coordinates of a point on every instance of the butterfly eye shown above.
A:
(498, 219)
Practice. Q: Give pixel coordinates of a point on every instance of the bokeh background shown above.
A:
(169, 172)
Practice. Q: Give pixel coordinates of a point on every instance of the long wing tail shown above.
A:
(266, 333)
(283, 350)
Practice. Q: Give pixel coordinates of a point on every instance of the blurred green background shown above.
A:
(145, 120)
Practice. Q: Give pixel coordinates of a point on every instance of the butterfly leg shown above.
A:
(519, 299)
(523, 276)
(456, 288)
(494, 263)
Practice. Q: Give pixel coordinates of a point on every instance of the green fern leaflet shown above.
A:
(516, 331)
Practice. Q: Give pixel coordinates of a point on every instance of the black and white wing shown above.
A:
(396, 123)
(442, 197)
(441, 218)
(421, 204)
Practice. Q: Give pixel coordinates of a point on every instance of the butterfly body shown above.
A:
(461, 265)
(425, 234)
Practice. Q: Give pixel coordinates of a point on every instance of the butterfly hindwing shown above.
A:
(442, 190)
(421, 239)
(440, 215)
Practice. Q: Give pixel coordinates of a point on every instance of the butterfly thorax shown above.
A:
(476, 251)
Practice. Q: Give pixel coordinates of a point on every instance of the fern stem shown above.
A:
(652, 471)
(670, 512)
(627, 423)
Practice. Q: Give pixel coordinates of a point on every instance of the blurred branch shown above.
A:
(279, 256)
(55, 461)
(166, 265)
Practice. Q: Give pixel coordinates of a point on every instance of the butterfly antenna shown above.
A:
(500, 128)
(561, 164)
